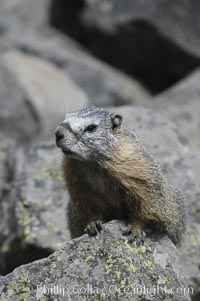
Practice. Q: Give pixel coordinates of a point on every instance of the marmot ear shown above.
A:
(116, 120)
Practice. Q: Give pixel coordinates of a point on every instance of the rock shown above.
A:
(41, 74)
(8, 150)
(16, 118)
(7, 162)
(158, 46)
(103, 84)
(45, 91)
(181, 105)
(33, 222)
(110, 269)
(190, 261)
(23, 13)
(33, 96)
(42, 199)
(177, 21)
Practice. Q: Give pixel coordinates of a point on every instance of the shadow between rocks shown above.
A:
(136, 48)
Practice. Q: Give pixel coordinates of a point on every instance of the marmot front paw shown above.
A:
(134, 232)
(93, 228)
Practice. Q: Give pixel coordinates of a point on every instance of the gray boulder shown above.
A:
(103, 84)
(182, 106)
(22, 14)
(16, 117)
(8, 150)
(7, 163)
(106, 268)
(32, 208)
(42, 200)
(35, 95)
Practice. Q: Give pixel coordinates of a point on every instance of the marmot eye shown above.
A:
(91, 128)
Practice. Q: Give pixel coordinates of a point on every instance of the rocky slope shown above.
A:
(43, 74)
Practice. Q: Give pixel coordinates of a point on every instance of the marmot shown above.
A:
(110, 175)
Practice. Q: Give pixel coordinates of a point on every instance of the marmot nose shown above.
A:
(59, 133)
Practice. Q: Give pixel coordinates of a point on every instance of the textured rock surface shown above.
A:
(182, 106)
(33, 222)
(110, 269)
(42, 200)
(8, 149)
(7, 162)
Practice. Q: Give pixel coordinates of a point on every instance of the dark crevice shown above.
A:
(19, 255)
(195, 297)
(66, 15)
(137, 48)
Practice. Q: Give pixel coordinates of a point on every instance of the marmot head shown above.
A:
(88, 134)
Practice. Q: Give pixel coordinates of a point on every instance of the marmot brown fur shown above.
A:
(110, 175)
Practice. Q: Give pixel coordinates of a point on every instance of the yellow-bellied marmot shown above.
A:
(110, 175)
